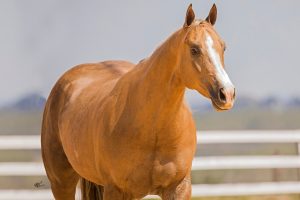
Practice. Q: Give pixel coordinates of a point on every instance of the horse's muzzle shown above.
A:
(223, 98)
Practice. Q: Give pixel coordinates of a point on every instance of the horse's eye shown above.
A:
(195, 51)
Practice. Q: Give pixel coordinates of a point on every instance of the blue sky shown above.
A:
(42, 39)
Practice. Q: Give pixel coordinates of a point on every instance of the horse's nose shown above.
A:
(226, 95)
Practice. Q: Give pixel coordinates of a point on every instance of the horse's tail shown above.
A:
(90, 190)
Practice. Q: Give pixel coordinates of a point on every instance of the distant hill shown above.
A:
(30, 102)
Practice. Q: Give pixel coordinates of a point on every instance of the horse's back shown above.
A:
(88, 80)
(105, 71)
(100, 75)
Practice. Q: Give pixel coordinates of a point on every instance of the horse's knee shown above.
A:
(180, 191)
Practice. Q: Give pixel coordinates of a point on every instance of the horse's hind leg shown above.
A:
(61, 175)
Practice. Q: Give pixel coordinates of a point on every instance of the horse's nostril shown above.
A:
(234, 93)
(222, 95)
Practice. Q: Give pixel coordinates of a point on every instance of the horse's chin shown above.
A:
(217, 108)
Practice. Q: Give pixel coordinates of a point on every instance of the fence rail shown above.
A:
(274, 136)
(199, 163)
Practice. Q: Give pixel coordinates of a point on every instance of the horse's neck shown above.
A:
(155, 92)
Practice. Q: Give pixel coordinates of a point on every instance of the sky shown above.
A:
(40, 40)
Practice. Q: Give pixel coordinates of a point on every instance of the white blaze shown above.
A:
(215, 59)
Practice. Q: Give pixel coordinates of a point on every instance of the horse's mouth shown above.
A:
(218, 108)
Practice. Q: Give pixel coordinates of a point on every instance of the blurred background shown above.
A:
(40, 40)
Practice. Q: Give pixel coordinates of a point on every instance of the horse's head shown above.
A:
(202, 60)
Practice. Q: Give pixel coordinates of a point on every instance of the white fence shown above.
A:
(199, 163)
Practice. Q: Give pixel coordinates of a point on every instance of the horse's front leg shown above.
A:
(180, 191)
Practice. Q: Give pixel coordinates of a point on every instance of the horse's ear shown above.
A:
(212, 16)
(190, 16)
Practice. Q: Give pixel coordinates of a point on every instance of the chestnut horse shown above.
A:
(124, 129)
